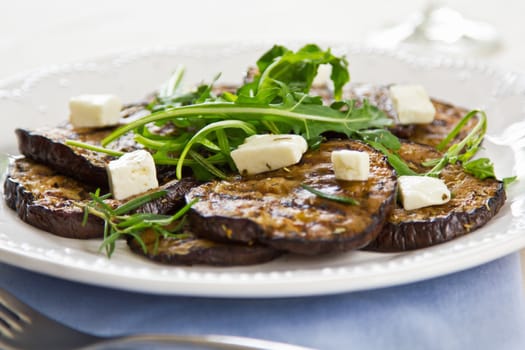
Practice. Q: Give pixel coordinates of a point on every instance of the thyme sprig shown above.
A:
(94, 148)
(120, 221)
(331, 197)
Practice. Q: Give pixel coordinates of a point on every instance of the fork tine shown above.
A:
(5, 328)
(12, 318)
(22, 327)
(8, 321)
(15, 306)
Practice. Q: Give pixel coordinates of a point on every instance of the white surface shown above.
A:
(42, 97)
(37, 33)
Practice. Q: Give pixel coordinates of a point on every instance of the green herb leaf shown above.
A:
(201, 134)
(138, 201)
(173, 84)
(332, 197)
(304, 117)
(481, 168)
(509, 180)
(298, 69)
(93, 148)
(399, 165)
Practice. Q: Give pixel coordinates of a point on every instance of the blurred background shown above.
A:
(36, 33)
(41, 33)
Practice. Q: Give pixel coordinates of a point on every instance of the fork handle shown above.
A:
(225, 342)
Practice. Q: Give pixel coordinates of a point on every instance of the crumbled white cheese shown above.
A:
(412, 104)
(323, 75)
(131, 174)
(351, 165)
(91, 111)
(261, 153)
(422, 191)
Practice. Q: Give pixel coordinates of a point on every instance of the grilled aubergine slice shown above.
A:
(198, 251)
(274, 209)
(474, 202)
(47, 146)
(45, 199)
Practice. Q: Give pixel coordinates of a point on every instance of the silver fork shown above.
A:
(24, 328)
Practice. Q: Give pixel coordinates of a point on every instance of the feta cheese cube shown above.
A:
(131, 174)
(422, 191)
(261, 153)
(412, 104)
(91, 111)
(350, 165)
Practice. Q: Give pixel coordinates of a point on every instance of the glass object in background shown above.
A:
(440, 28)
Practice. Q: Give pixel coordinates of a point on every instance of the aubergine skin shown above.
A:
(46, 146)
(273, 209)
(198, 251)
(47, 200)
(52, 202)
(474, 202)
(172, 201)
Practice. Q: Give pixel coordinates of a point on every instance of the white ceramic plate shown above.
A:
(41, 98)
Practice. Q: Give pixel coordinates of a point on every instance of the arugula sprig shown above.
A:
(170, 94)
(301, 117)
(464, 150)
(387, 143)
(205, 128)
(208, 127)
(297, 70)
(119, 221)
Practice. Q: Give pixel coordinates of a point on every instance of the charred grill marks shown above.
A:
(252, 208)
(29, 192)
(262, 215)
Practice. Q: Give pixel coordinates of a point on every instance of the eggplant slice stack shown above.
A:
(45, 199)
(249, 220)
(53, 202)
